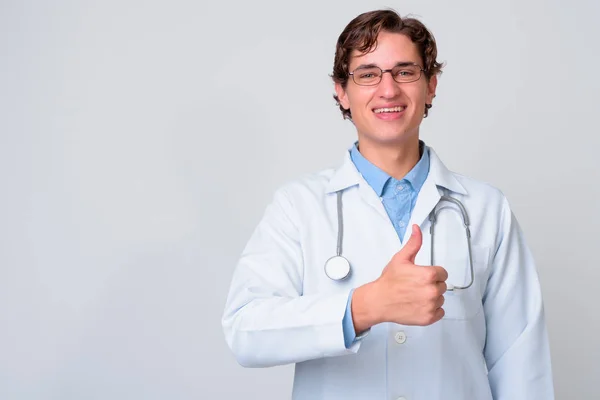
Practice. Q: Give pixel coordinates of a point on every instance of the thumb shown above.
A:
(412, 247)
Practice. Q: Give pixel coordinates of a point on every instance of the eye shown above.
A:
(406, 72)
(367, 76)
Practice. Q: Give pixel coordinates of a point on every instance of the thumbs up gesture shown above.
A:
(405, 293)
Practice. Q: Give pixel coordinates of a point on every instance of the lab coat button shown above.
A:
(400, 338)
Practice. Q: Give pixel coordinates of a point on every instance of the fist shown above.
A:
(410, 294)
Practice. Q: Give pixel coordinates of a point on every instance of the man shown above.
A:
(463, 319)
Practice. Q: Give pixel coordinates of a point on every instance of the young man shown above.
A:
(342, 278)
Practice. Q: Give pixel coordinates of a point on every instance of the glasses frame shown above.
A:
(383, 71)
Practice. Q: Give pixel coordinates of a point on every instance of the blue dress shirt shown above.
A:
(399, 198)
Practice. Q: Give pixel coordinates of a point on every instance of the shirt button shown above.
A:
(401, 398)
(400, 338)
(400, 187)
(401, 224)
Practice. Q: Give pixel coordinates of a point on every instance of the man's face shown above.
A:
(365, 102)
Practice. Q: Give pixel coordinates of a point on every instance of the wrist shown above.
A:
(364, 308)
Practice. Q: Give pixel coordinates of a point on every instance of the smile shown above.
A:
(389, 110)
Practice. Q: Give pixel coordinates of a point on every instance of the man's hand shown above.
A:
(405, 293)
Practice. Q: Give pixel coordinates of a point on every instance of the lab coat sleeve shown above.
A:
(267, 320)
(517, 351)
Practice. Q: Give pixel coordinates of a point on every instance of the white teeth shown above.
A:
(393, 109)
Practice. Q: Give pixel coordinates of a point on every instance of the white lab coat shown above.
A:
(281, 308)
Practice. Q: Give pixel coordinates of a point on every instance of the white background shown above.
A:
(141, 141)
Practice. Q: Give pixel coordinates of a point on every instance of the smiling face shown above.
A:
(388, 113)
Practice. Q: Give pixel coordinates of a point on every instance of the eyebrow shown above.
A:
(398, 64)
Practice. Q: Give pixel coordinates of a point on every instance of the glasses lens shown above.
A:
(406, 73)
(367, 76)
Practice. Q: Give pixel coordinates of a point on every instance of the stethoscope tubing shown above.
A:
(338, 267)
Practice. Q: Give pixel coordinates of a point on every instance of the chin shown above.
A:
(392, 136)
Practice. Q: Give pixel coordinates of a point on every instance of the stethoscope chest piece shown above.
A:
(337, 268)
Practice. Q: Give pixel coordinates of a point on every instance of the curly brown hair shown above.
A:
(361, 35)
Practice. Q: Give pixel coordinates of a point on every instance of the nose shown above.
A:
(388, 88)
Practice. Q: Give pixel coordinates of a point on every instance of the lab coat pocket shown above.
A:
(465, 303)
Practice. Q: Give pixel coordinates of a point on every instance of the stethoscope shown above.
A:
(338, 267)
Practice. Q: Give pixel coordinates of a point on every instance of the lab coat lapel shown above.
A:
(370, 197)
(346, 176)
(429, 195)
(426, 201)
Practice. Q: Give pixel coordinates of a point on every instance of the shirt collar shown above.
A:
(376, 178)
(347, 175)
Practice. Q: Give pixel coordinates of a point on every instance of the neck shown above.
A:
(395, 160)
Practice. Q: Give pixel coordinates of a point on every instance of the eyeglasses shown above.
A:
(371, 76)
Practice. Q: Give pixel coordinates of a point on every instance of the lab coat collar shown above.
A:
(442, 176)
(347, 175)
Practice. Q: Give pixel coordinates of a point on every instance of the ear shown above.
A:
(431, 86)
(342, 95)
